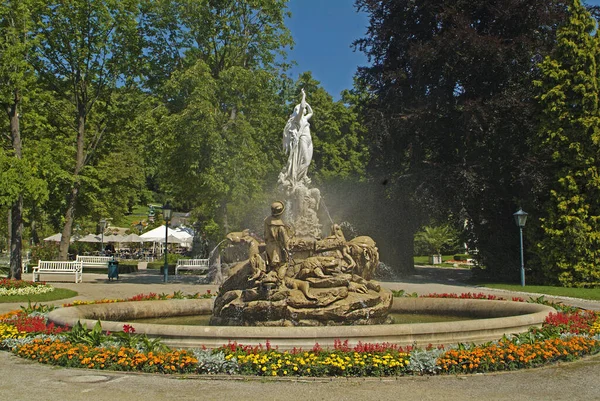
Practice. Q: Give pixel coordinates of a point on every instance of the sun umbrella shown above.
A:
(90, 238)
(113, 238)
(132, 238)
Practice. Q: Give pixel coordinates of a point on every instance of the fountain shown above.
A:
(299, 288)
(300, 278)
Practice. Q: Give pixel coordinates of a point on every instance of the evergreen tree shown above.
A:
(569, 139)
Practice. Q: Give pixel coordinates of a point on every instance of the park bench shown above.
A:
(192, 264)
(94, 261)
(54, 267)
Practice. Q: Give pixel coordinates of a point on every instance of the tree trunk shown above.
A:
(16, 239)
(63, 253)
(16, 215)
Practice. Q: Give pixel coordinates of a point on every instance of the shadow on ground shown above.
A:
(439, 275)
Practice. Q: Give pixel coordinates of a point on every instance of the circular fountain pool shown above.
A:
(488, 320)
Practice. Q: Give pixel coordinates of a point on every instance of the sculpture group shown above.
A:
(296, 277)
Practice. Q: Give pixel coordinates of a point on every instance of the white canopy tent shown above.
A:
(175, 236)
(158, 235)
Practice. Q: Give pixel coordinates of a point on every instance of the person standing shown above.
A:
(276, 240)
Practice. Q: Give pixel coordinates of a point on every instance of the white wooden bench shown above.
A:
(192, 264)
(59, 267)
(94, 261)
(24, 264)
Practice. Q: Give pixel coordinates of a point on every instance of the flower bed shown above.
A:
(565, 336)
(23, 287)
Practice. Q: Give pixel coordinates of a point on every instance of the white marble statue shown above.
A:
(297, 142)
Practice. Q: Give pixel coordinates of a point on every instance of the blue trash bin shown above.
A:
(113, 269)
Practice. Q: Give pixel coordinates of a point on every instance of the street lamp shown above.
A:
(102, 228)
(167, 211)
(521, 219)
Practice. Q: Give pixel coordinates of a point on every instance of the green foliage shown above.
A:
(448, 103)
(18, 177)
(138, 341)
(435, 238)
(569, 139)
(80, 334)
(39, 308)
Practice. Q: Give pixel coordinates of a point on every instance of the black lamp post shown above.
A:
(102, 228)
(521, 219)
(167, 211)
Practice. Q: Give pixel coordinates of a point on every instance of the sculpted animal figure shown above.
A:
(246, 271)
(366, 255)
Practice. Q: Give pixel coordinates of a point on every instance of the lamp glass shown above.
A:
(167, 211)
(520, 218)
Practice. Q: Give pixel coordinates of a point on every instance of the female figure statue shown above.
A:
(298, 143)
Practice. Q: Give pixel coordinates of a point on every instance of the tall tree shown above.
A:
(450, 106)
(87, 49)
(214, 162)
(569, 139)
(16, 74)
(221, 33)
(221, 117)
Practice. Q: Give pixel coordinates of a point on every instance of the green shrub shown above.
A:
(44, 251)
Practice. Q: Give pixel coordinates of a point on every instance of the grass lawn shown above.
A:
(58, 293)
(424, 261)
(584, 293)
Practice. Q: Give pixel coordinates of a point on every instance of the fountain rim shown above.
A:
(521, 316)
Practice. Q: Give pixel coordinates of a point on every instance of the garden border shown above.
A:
(497, 318)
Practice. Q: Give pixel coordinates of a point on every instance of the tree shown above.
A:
(221, 114)
(221, 33)
(16, 74)
(87, 50)
(449, 108)
(212, 151)
(569, 140)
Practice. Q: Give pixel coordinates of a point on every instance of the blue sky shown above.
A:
(324, 31)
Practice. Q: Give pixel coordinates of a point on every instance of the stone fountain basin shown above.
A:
(493, 319)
